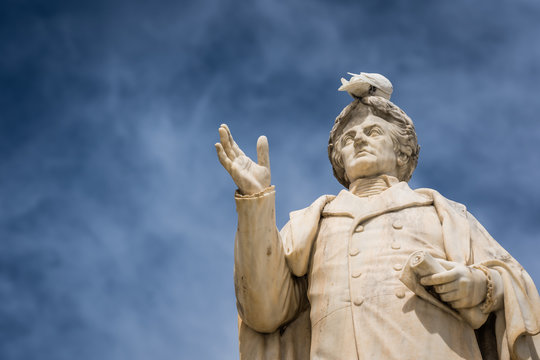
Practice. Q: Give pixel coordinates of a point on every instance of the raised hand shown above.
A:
(460, 286)
(249, 176)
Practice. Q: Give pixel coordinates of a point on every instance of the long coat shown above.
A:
(327, 286)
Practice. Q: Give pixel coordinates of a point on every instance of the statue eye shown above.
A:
(374, 132)
(347, 139)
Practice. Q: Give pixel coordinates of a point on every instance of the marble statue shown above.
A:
(379, 271)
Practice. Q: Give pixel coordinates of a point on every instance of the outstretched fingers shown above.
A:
(226, 142)
(223, 158)
(263, 158)
(234, 146)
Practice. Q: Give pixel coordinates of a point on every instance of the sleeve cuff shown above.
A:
(260, 194)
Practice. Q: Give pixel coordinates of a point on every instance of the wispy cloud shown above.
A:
(117, 222)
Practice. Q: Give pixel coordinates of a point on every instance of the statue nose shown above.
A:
(360, 139)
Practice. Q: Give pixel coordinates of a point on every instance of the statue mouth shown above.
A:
(361, 153)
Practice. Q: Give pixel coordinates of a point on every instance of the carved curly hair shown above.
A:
(402, 133)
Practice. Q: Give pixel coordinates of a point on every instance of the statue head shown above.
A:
(355, 151)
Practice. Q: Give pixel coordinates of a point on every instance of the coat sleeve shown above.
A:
(268, 294)
(518, 319)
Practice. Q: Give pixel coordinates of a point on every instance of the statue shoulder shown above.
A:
(440, 200)
(316, 207)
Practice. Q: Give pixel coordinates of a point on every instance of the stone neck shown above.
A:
(364, 187)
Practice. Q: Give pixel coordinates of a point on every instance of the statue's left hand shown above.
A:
(460, 286)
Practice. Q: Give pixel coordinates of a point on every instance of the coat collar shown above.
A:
(397, 197)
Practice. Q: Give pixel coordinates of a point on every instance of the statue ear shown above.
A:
(402, 159)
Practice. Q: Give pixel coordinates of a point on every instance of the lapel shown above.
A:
(397, 197)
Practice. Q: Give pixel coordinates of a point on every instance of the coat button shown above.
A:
(396, 245)
(400, 293)
(397, 225)
(359, 228)
(398, 267)
(358, 301)
(356, 274)
(354, 252)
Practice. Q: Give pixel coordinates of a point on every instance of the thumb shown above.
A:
(263, 158)
(448, 265)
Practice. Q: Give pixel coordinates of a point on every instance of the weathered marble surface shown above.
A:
(338, 281)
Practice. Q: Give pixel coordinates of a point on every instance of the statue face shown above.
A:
(367, 149)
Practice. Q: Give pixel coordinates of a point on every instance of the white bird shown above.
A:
(365, 84)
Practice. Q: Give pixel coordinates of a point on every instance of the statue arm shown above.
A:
(268, 294)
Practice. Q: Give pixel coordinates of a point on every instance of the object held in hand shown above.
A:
(423, 264)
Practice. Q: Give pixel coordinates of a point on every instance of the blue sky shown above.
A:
(116, 220)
